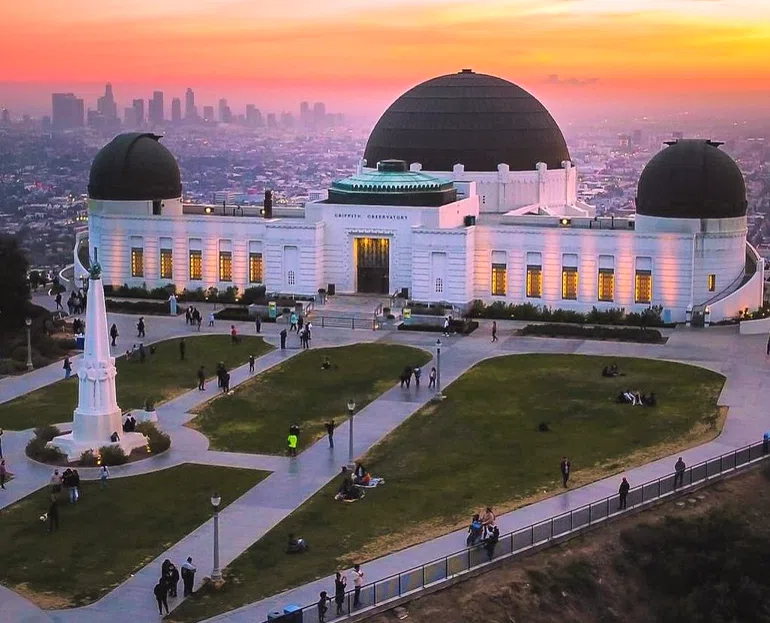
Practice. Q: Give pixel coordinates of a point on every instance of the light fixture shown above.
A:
(28, 321)
(438, 343)
(351, 405)
(208, 210)
(564, 222)
(215, 500)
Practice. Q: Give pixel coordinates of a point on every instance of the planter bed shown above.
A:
(461, 327)
(623, 334)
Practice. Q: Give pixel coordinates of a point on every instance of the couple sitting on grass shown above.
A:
(611, 371)
(636, 398)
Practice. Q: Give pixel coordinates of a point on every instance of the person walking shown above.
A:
(140, 327)
(103, 476)
(1, 443)
(188, 576)
(114, 333)
(564, 467)
(258, 323)
(67, 367)
(417, 373)
(75, 486)
(340, 584)
(283, 339)
(292, 442)
(201, 379)
(293, 322)
(161, 592)
(432, 379)
(447, 323)
(251, 364)
(225, 382)
(623, 494)
(494, 330)
(182, 349)
(233, 334)
(323, 608)
(56, 481)
(679, 468)
(330, 432)
(211, 319)
(358, 582)
(58, 302)
(3, 473)
(53, 514)
(768, 344)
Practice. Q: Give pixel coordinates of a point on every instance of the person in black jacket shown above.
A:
(173, 580)
(623, 494)
(53, 514)
(340, 584)
(491, 542)
(322, 607)
(161, 592)
(201, 379)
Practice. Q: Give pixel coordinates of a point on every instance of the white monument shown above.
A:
(98, 415)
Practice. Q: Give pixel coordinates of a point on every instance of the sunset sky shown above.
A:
(357, 55)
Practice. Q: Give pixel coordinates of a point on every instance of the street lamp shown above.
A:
(438, 367)
(351, 409)
(28, 322)
(216, 574)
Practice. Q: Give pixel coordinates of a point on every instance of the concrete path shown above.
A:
(293, 481)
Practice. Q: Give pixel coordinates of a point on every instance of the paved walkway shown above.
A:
(293, 481)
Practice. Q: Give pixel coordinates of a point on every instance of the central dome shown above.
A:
(472, 119)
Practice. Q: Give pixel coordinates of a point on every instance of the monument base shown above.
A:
(140, 415)
(73, 448)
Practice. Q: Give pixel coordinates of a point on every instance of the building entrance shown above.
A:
(372, 265)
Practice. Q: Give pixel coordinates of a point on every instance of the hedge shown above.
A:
(463, 327)
(625, 334)
(650, 317)
(239, 314)
(38, 450)
(141, 307)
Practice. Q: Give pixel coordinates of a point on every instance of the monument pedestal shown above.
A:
(74, 446)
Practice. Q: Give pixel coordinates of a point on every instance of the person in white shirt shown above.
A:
(358, 582)
(188, 576)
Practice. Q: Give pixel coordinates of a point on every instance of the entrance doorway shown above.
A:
(372, 265)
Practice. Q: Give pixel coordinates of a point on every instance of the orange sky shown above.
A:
(354, 52)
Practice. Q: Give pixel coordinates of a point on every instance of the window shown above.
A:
(166, 264)
(643, 280)
(499, 273)
(225, 266)
(196, 264)
(606, 278)
(569, 277)
(166, 259)
(534, 276)
(439, 285)
(291, 278)
(255, 268)
(712, 282)
(137, 262)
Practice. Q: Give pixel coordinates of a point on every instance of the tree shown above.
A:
(13, 280)
(35, 280)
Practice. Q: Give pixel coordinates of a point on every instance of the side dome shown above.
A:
(691, 178)
(476, 120)
(134, 167)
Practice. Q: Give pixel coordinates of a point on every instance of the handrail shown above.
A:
(441, 570)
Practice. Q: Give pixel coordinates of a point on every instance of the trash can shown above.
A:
(292, 614)
(80, 342)
(275, 615)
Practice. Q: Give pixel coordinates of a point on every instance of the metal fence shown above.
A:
(442, 570)
(345, 322)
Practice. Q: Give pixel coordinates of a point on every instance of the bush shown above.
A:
(232, 313)
(198, 296)
(39, 451)
(156, 438)
(462, 327)
(112, 455)
(423, 309)
(141, 307)
(650, 317)
(88, 459)
(253, 295)
(625, 334)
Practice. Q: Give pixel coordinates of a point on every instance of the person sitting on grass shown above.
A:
(361, 476)
(296, 545)
(326, 364)
(649, 401)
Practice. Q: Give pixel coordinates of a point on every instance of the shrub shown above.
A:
(232, 313)
(626, 334)
(140, 307)
(149, 404)
(650, 317)
(463, 327)
(38, 450)
(88, 459)
(156, 438)
(254, 295)
(198, 295)
(112, 455)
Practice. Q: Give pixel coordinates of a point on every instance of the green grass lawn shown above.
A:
(109, 533)
(481, 446)
(161, 377)
(256, 418)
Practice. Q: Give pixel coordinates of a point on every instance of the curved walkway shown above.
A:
(740, 358)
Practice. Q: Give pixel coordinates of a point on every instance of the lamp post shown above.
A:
(438, 367)
(351, 409)
(28, 322)
(216, 574)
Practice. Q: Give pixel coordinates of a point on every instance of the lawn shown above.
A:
(161, 377)
(110, 533)
(257, 417)
(481, 446)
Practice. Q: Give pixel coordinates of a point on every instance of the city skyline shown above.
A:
(577, 55)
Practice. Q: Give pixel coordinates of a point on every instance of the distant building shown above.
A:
(319, 115)
(106, 106)
(208, 114)
(287, 120)
(636, 138)
(190, 111)
(138, 106)
(305, 116)
(129, 117)
(253, 116)
(156, 109)
(5, 116)
(272, 121)
(176, 110)
(225, 114)
(67, 111)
